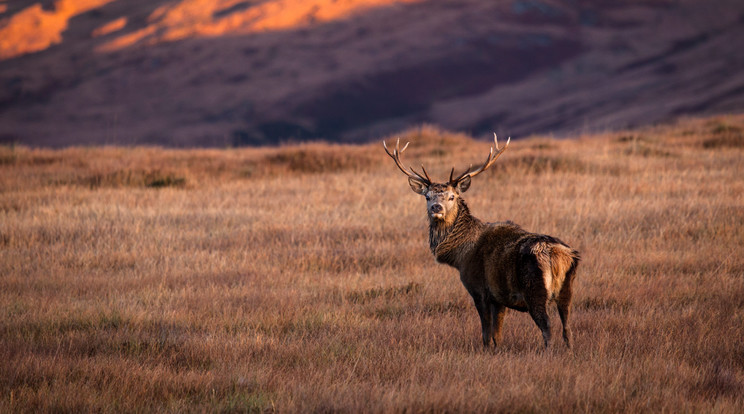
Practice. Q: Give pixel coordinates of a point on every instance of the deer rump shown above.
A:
(518, 269)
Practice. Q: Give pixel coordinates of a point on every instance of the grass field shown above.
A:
(299, 278)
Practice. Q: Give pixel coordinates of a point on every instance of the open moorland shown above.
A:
(298, 278)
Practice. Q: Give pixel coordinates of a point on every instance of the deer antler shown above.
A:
(411, 173)
(489, 161)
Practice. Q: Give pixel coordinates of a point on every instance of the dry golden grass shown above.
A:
(299, 279)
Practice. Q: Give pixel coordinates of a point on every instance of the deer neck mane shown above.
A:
(451, 240)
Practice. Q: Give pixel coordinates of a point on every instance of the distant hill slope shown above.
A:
(230, 72)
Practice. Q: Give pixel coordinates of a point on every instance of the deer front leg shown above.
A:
(485, 317)
(498, 311)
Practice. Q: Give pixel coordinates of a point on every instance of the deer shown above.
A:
(501, 265)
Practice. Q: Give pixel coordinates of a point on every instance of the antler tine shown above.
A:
(397, 149)
(489, 161)
(411, 173)
(491, 156)
(397, 145)
(424, 170)
(459, 177)
(420, 177)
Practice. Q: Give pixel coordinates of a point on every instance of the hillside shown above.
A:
(228, 72)
(299, 278)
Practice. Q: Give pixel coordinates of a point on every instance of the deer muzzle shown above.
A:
(436, 211)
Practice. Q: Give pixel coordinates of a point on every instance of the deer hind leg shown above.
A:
(564, 310)
(536, 295)
(564, 307)
(539, 314)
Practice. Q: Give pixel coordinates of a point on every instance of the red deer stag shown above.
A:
(501, 265)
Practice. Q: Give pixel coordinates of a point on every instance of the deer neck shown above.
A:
(451, 240)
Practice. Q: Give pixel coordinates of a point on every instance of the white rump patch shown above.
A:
(554, 261)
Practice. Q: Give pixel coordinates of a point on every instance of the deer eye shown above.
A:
(452, 197)
(427, 197)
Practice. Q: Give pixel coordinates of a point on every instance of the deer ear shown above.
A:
(463, 184)
(417, 186)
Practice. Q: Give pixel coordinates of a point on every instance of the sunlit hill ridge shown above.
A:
(34, 28)
(232, 73)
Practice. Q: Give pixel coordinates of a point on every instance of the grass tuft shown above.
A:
(387, 293)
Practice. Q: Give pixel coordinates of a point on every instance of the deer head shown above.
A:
(442, 198)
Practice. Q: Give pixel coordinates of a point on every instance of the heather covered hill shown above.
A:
(230, 72)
